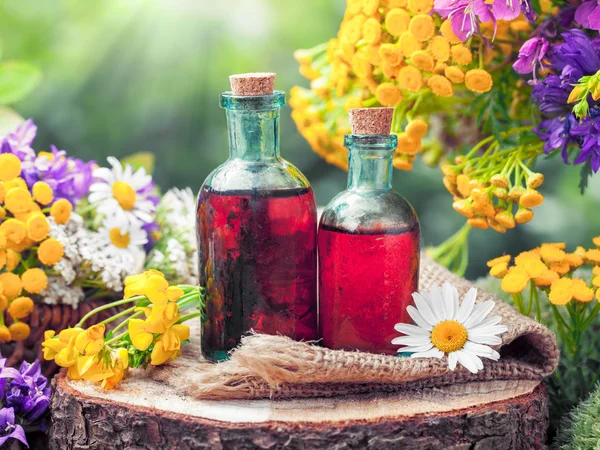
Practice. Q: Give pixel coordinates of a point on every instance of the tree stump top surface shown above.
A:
(143, 389)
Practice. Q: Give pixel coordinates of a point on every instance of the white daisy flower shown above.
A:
(443, 327)
(122, 192)
(127, 238)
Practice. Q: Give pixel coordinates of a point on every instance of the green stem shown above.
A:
(117, 316)
(188, 317)
(587, 322)
(108, 306)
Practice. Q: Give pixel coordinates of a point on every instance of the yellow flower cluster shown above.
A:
(550, 268)
(389, 53)
(90, 356)
(160, 328)
(24, 229)
(490, 200)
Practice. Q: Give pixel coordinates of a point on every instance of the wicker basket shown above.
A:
(50, 317)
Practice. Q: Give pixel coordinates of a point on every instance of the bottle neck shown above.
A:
(370, 162)
(253, 123)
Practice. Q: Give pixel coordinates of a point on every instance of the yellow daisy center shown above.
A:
(449, 336)
(124, 194)
(118, 239)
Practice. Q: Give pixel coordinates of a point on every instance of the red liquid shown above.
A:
(366, 282)
(258, 261)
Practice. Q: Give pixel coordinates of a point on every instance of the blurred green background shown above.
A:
(124, 76)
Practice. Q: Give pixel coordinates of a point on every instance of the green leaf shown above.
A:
(17, 80)
(141, 159)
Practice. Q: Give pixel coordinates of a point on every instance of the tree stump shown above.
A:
(145, 413)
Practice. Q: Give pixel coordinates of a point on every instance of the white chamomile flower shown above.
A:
(128, 238)
(122, 192)
(443, 327)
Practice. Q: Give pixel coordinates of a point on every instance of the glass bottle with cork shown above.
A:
(256, 227)
(368, 245)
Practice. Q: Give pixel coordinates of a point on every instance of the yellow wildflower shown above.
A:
(50, 252)
(422, 59)
(61, 211)
(90, 341)
(478, 222)
(499, 270)
(19, 331)
(551, 253)
(416, 129)
(42, 193)
(573, 260)
(461, 54)
(68, 355)
(515, 280)
(536, 180)
(422, 27)
(388, 94)
(14, 230)
(2, 213)
(593, 255)
(372, 31)
(10, 167)
(420, 6)
(396, 21)
(440, 48)
(38, 227)
(407, 145)
(11, 284)
(534, 268)
(18, 200)
(440, 86)
(523, 215)
(370, 7)
(91, 368)
(562, 268)
(141, 338)
(51, 346)
(397, 3)
(581, 291)
(408, 44)
(504, 259)
(478, 81)
(168, 345)
(12, 260)
(448, 32)
(561, 292)
(505, 218)
(20, 307)
(4, 334)
(531, 198)
(546, 278)
(464, 206)
(496, 226)
(439, 67)
(2, 192)
(596, 241)
(119, 363)
(410, 78)
(390, 53)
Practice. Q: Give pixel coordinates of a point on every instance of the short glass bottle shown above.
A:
(368, 253)
(256, 226)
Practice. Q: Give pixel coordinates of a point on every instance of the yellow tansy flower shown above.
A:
(372, 31)
(42, 193)
(38, 227)
(420, 6)
(14, 230)
(18, 200)
(390, 53)
(417, 129)
(410, 78)
(370, 7)
(440, 86)
(396, 21)
(504, 259)
(581, 291)
(422, 27)
(19, 331)
(10, 166)
(593, 255)
(388, 94)
(461, 54)
(523, 215)
(34, 280)
(506, 219)
(478, 81)
(551, 253)
(408, 44)
(573, 260)
(12, 260)
(562, 268)
(61, 211)
(531, 198)
(20, 307)
(596, 241)
(478, 222)
(515, 280)
(422, 59)
(440, 48)
(561, 292)
(5, 334)
(407, 145)
(50, 252)
(546, 278)
(11, 284)
(499, 270)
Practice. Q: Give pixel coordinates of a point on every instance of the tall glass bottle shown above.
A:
(256, 231)
(368, 248)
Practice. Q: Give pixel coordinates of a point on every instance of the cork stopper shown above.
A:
(252, 83)
(371, 120)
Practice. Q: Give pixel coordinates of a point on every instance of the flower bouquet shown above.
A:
(482, 89)
(70, 234)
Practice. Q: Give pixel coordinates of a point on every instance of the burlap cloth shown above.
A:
(275, 366)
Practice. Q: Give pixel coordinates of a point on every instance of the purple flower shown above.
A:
(511, 9)
(588, 15)
(464, 15)
(531, 54)
(29, 392)
(8, 428)
(590, 149)
(5, 374)
(558, 134)
(19, 141)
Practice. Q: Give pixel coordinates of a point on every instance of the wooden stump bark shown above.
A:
(143, 412)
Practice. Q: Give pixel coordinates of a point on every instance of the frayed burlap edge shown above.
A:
(274, 366)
